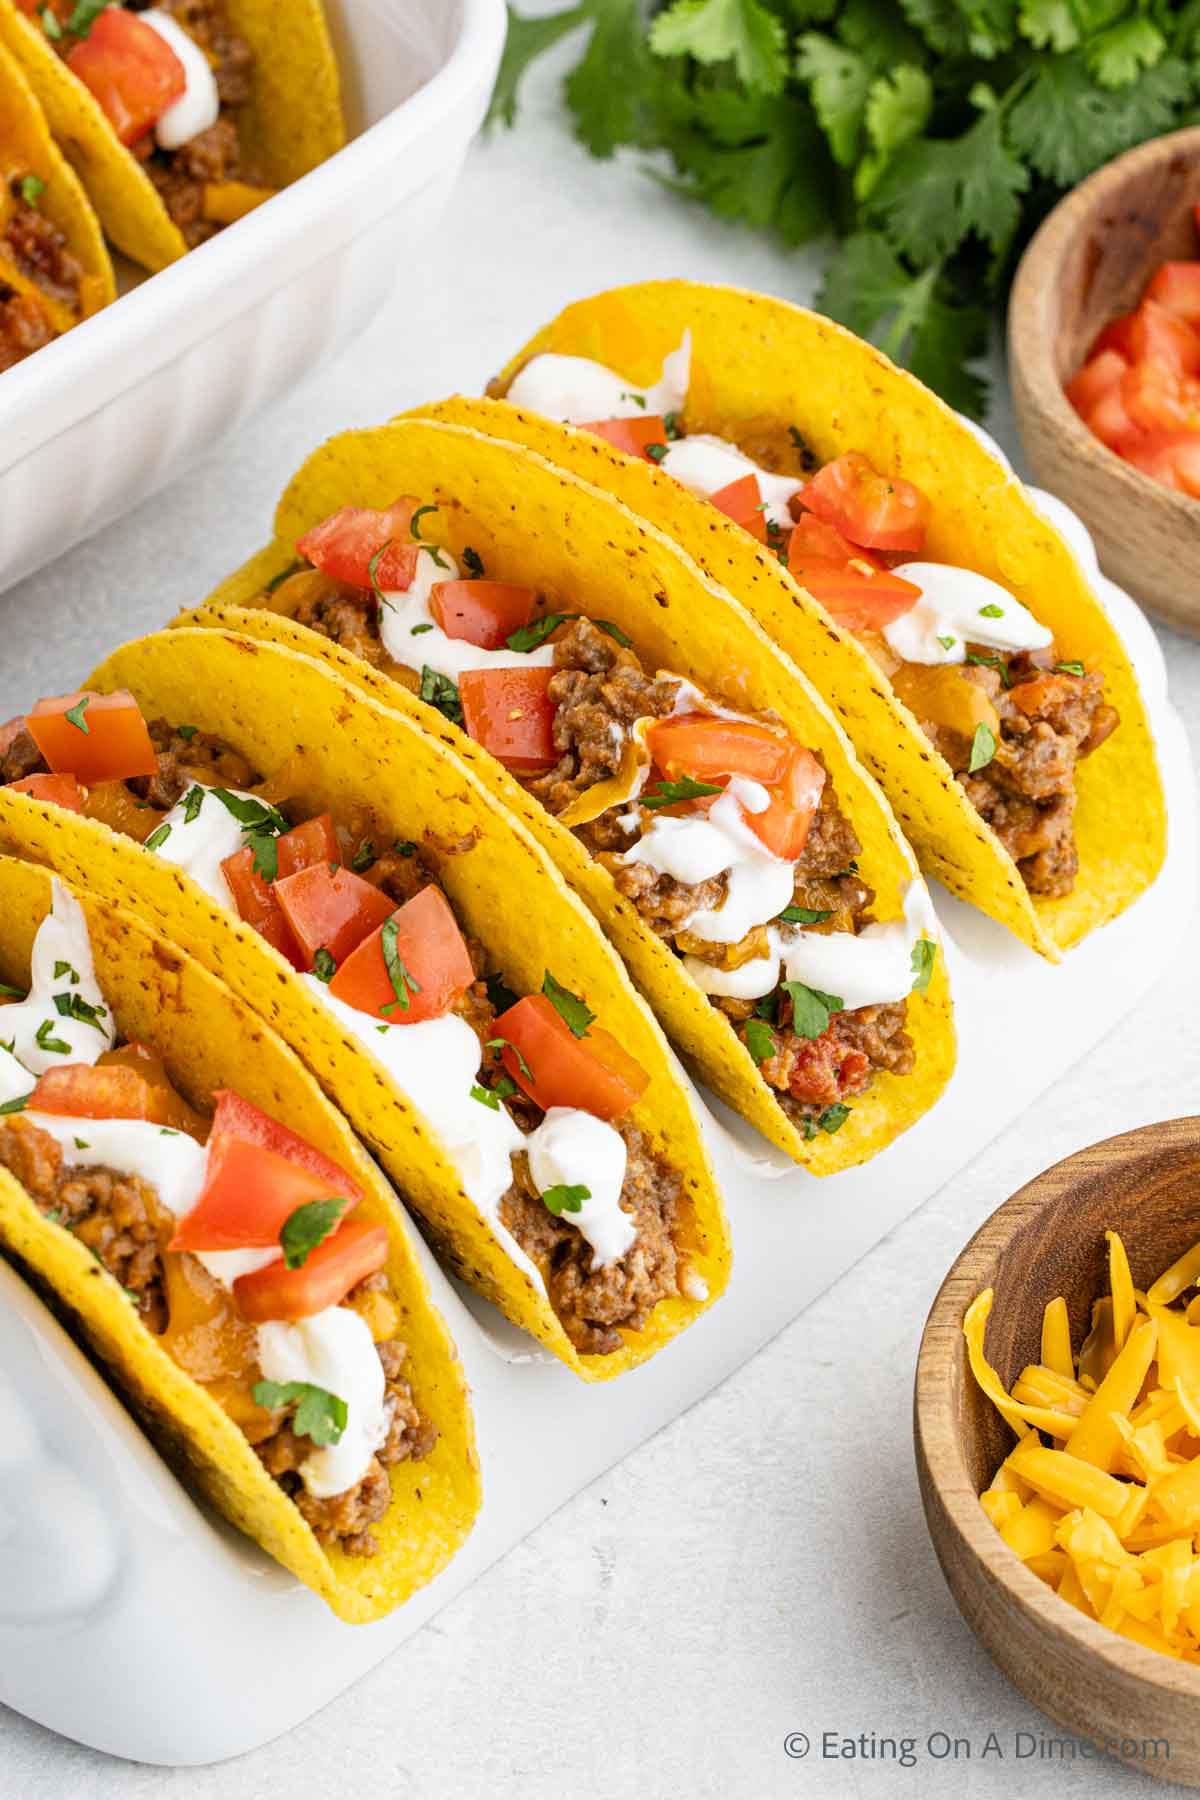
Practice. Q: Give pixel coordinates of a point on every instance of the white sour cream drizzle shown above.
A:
(578, 391)
(15, 1079)
(169, 1161)
(719, 842)
(411, 635)
(199, 106)
(704, 465)
(200, 845)
(957, 608)
(62, 942)
(572, 1148)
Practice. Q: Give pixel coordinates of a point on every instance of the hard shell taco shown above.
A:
(352, 882)
(183, 116)
(893, 556)
(54, 267)
(173, 1178)
(680, 771)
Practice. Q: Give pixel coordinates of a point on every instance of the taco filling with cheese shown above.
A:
(723, 831)
(982, 676)
(530, 1095)
(237, 1243)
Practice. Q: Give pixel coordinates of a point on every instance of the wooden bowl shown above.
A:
(1089, 261)
(1047, 1240)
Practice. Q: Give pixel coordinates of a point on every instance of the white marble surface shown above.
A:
(761, 1567)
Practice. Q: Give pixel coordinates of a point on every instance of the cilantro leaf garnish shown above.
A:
(319, 1415)
(804, 915)
(416, 520)
(924, 956)
(186, 732)
(293, 568)
(74, 715)
(363, 857)
(308, 1226)
(50, 24)
(811, 1009)
(158, 837)
(834, 1117)
(947, 643)
(64, 972)
(991, 611)
(84, 16)
(485, 1097)
(498, 992)
(569, 1007)
(404, 847)
(669, 793)
(262, 826)
(992, 662)
(32, 189)
(565, 1197)
(502, 1043)
(324, 965)
(533, 636)
(656, 452)
(192, 803)
(671, 425)
(615, 632)
(439, 691)
(44, 1040)
(14, 1106)
(1069, 668)
(419, 630)
(404, 984)
(372, 567)
(983, 748)
(73, 1006)
(473, 563)
(760, 1040)
(16, 993)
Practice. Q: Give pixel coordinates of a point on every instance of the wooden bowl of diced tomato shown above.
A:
(1104, 355)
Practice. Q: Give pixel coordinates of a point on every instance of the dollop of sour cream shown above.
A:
(199, 835)
(168, 1161)
(704, 465)
(199, 106)
(697, 848)
(62, 974)
(411, 635)
(575, 1149)
(333, 1350)
(958, 607)
(578, 391)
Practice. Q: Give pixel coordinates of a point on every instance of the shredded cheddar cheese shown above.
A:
(1100, 1496)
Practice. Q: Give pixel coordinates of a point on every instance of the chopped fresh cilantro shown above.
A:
(15, 993)
(14, 1106)
(768, 1007)
(505, 1087)
(44, 1040)
(192, 803)
(372, 566)
(760, 1040)
(1069, 668)
(473, 563)
(64, 972)
(404, 984)
(656, 452)
(404, 847)
(532, 636)
(32, 189)
(75, 715)
(439, 691)
(811, 1009)
(991, 611)
(834, 1117)
(992, 662)
(947, 643)
(84, 16)
(186, 732)
(82, 1144)
(499, 993)
(501, 1043)
(364, 857)
(924, 955)
(983, 748)
(615, 632)
(262, 826)
(485, 1097)
(669, 793)
(293, 568)
(416, 520)
(50, 24)
(804, 915)
(569, 1007)
(671, 423)
(319, 1415)
(308, 1226)
(638, 400)
(565, 1197)
(419, 630)
(158, 837)
(73, 1006)
(324, 965)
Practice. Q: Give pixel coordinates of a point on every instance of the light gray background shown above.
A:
(762, 1566)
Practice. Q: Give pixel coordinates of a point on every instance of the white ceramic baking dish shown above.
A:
(104, 416)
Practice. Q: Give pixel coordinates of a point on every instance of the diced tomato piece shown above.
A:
(1098, 376)
(109, 1091)
(742, 501)
(343, 545)
(1110, 422)
(1158, 397)
(1171, 457)
(133, 73)
(430, 957)
(235, 1117)
(257, 905)
(351, 1253)
(884, 512)
(1117, 335)
(315, 841)
(1176, 285)
(509, 711)
(56, 790)
(704, 745)
(108, 743)
(331, 909)
(481, 612)
(861, 595)
(1155, 332)
(248, 1196)
(633, 436)
(593, 1072)
(784, 827)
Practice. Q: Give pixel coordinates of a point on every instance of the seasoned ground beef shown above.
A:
(24, 327)
(185, 758)
(595, 1305)
(1049, 719)
(124, 1224)
(346, 616)
(20, 756)
(40, 251)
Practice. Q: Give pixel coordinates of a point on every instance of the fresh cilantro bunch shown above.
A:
(929, 136)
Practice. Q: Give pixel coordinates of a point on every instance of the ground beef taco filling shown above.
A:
(41, 281)
(605, 1244)
(172, 77)
(985, 681)
(622, 756)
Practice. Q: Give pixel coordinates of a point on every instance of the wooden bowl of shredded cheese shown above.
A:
(1057, 1424)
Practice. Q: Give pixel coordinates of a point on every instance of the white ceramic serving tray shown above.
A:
(94, 1529)
(118, 407)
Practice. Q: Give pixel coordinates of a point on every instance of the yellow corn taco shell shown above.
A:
(27, 149)
(209, 1040)
(273, 705)
(292, 123)
(537, 525)
(761, 365)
